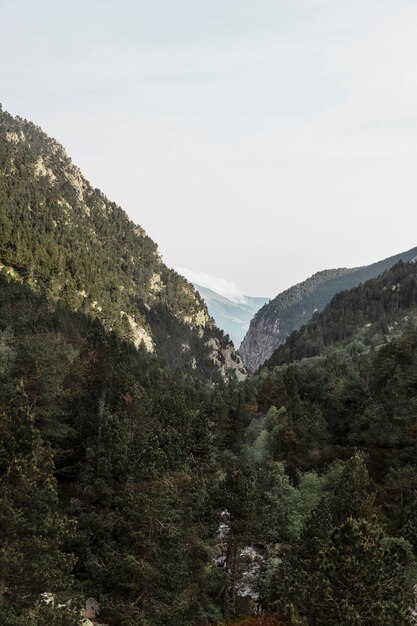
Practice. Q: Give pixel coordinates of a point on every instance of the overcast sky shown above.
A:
(256, 141)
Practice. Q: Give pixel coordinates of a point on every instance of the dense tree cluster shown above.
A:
(108, 466)
(357, 319)
(136, 467)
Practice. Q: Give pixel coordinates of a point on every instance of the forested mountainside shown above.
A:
(108, 474)
(68, 241)
(358, 320)
(171, 502)
(232, 317)
(343, 425)
(166, 498)
(292, 308)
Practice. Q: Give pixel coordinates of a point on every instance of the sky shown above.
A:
(256, 141)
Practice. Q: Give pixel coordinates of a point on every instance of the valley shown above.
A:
(232, 317)
(144, 469)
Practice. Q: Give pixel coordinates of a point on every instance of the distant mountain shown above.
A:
(292, 308)
(232, 317)
(66, 240)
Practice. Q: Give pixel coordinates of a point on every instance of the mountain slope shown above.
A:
(340, 400)
(67, 240)
(232, 317)
(356, 321)
(295, 306)
(348, 378)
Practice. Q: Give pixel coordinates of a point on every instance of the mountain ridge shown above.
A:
(61, 236)
(292, 308)
(356, 320)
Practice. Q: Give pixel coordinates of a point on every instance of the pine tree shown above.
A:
(32, 531)
(353, 575)
(366, 579)
(297, 584)
(353, 495)
(145, 577)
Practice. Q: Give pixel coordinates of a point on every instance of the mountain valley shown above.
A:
(232, 317)
(146, 479)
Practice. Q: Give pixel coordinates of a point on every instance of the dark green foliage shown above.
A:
(240, 498)
(350, 574)
(344, 568)
(399, 496)
(116, 471)
(376, 304)
(336, 403)
(135, 457)
(298, 581)
(366, 579)
(32, 531)
(146, 459)
(352, 493)
(296, 306)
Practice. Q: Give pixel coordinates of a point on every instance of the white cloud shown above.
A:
(223, 286)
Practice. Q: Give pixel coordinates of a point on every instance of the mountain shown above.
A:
(356, 321)
(292, 308)
(337, 403)
(65, 239)
(232, 317)
(347, 379)
(128, 481)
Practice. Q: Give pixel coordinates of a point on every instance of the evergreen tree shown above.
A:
(352, 492)
(366, 579)
(350, 576)
(32, 531)
(296, 584)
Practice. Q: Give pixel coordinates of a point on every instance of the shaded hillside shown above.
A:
(356, 320)
(149, 465)
(327, 462)
(338, 400)
(232, 317)
(128, 446)
(67, 240)
(348, 377)
(294, 307)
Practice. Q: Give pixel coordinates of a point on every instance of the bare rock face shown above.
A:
(226, 359)
(294, 307)
(92, 608)
(261, 340)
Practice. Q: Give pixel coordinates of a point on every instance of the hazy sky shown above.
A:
(257, 141)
